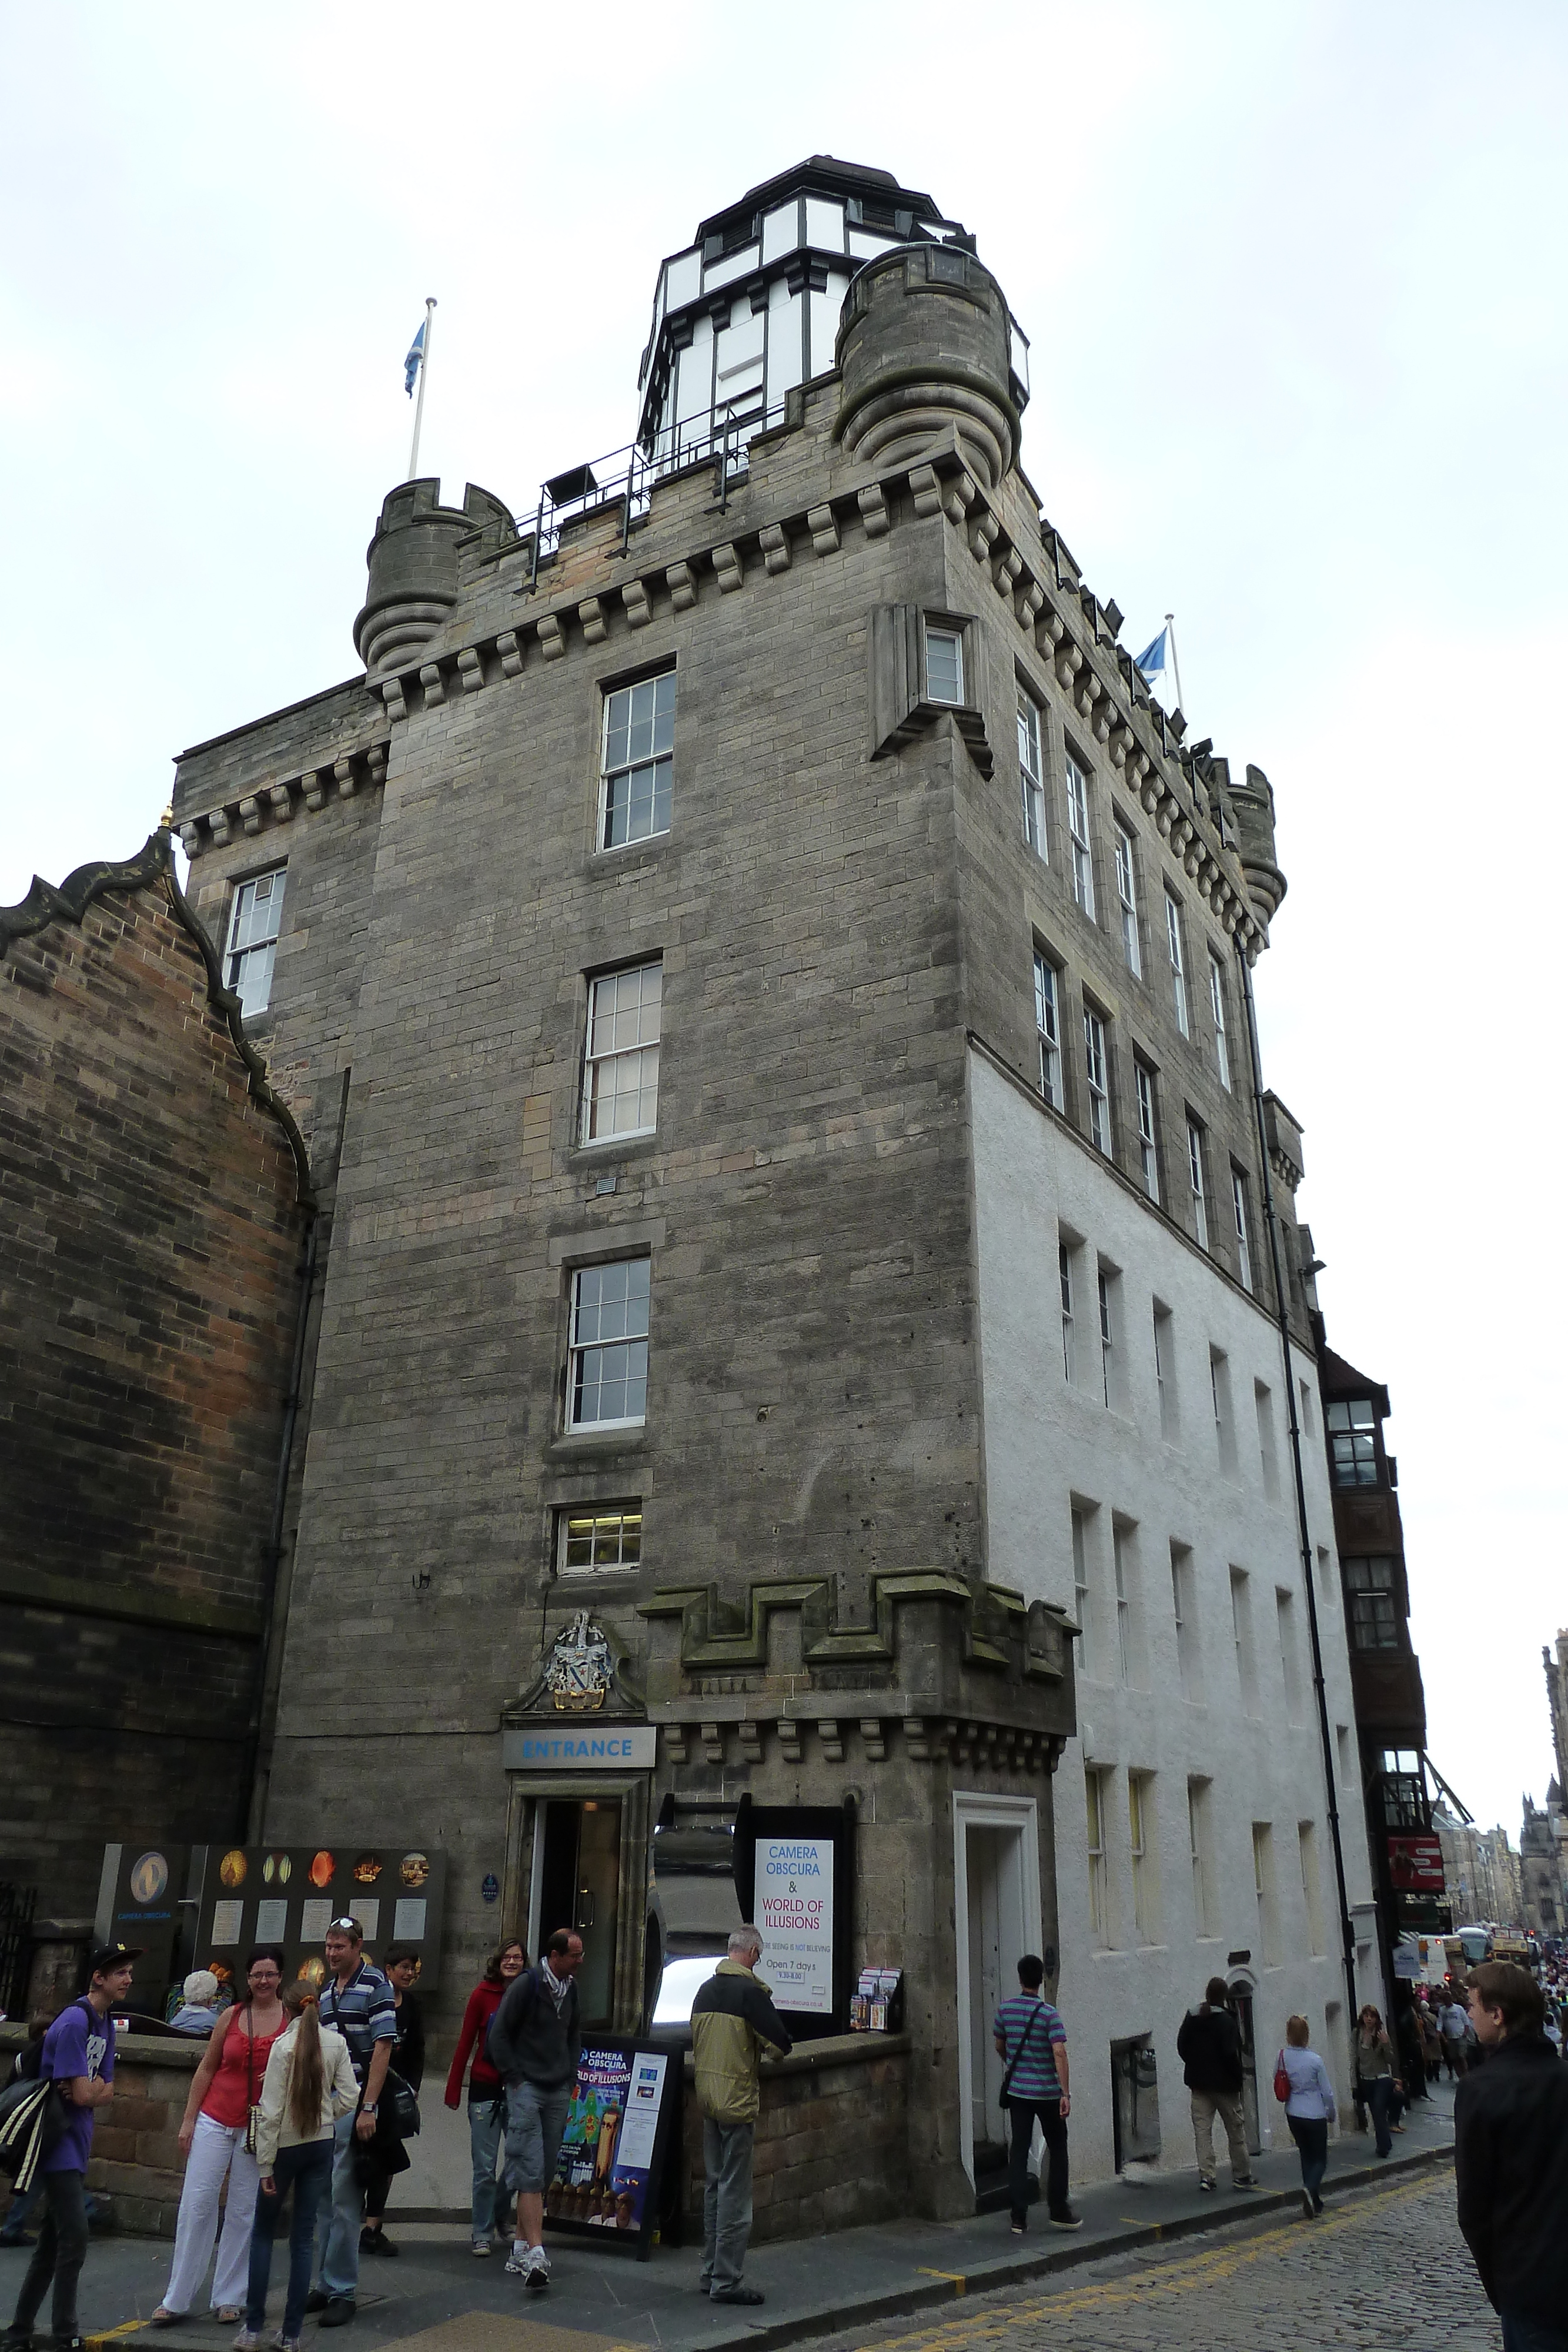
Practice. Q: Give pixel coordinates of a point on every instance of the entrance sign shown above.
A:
(606, 2185)
(608, 1747)
(794, 1902)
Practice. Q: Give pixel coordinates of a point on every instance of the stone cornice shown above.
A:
(152, 868)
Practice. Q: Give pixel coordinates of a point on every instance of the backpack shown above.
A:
(32, 2116)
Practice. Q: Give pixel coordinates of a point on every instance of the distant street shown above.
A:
(1388, 2269)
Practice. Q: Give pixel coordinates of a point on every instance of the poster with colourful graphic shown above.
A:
(605, 2186)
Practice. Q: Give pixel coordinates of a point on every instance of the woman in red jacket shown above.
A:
(486, 2100)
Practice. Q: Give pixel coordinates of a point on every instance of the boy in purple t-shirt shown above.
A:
(78, 2055)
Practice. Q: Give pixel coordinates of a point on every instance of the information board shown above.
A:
(286, 1894)
(605, 2189)
(793, 1890)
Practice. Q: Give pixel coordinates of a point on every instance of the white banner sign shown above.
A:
(794, 1902)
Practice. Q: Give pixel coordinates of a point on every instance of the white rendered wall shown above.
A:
(1048, 1445)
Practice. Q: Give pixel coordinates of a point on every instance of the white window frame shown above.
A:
(1139, 1787)
(1119, 1539)
(1081, 1595)
(1048, 1024)
(596, 1346)
(252, 949)
(1078, 846)
(1165, 1374)
(1148, 1128)
(1096, 1065)
(1196, 1828)
(1217, 1006)
(595, 1517)
(1179, 962)
(1107, 1332)
(945, 634)
(1194, 1178)
(1095, 1778)
(1243, 1238)
(1064, 1268)
(1127, 892)
(632, 1010)
(658, 753)
(1031, 775)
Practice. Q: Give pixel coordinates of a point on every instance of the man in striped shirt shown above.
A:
(1032, 2040)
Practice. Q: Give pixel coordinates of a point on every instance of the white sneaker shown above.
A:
(520, 2260)
(538, 2275)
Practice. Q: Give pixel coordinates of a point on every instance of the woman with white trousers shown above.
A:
(226, 2085)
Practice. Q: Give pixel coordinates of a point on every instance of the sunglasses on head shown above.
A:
(342, 1926)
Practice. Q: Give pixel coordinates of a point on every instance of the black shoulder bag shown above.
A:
(1018, 2054)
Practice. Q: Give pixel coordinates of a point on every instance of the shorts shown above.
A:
(535, 2122)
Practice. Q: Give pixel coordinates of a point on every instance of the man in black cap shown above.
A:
(78, 2055)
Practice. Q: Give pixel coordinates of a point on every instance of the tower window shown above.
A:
(1217, 1005)
(607, 1377)
(944, 666)
(621, 1067)
(1078, 832)
(1178, 964)
(1194, 1178)
(1148, 1131)
(1127, 892)
(1047, 1021)
(1099, 1083)
(254, 924)
(1031, 774)
(634, 781)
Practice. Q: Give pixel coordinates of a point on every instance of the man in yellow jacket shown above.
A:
(733, 2017)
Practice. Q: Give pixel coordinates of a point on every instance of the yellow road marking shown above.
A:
(1177, 2277)
(106, 2334)
(959, 2278)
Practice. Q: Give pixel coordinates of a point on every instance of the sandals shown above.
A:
(165, 2317)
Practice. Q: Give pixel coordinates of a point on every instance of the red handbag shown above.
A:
(1281, 2080)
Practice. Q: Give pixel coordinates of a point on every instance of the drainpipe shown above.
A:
(1281, 1297)
(250, 1817)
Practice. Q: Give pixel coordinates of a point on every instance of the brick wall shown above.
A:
(149, 1239)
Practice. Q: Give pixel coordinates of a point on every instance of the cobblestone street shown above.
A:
(1389, 2269)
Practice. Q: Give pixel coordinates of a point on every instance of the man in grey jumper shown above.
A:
(534, 2045)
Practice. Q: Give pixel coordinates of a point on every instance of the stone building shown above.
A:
(1480, 1872)
(1386, 1674)
(1542, 1853)
(155, 1200)
(765, 991)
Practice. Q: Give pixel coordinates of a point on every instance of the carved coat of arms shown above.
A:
(578, 1671)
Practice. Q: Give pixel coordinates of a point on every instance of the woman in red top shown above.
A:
(486, 2105)
(227, 2084)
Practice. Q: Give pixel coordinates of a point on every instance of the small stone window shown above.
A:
(601, 1538)
(944, 666)
(255, 922)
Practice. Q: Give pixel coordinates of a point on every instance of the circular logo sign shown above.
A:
(149, 1877)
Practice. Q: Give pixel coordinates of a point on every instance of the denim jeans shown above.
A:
(486, 2137)
(60, 2254)
(1311, 2134)
(1379, 2096)
(1021, 2114)
(339, 2256)
(307, 2170)
(726, 2203)
(1530, 2331)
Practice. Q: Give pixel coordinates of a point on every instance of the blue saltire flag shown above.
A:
(415, 354)
(1153, 656)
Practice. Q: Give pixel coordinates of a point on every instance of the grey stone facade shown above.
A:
(845, 908)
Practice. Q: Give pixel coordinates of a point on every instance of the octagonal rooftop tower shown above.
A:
(750, 309)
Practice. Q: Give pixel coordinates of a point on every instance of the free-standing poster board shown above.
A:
(606, 2189)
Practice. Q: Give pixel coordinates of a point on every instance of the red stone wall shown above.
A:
(150, 1246)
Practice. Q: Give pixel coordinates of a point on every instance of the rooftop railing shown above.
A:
(627, 478)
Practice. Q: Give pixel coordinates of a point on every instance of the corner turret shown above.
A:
(1252, 804)
(413, 561)
(927, 347)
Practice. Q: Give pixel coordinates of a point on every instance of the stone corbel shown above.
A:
(1181, 833)
(250, 815)
(675, 1742)
(392, 696)
(775, 546)
(595, 628)
(1030, 598)
(789, 1739)
(728, 568)
(552, 643)
(344, 772)
(634, 598)
(984, 531)
(873, 510)
(823, 524)
(431, 684)
(315, 786)
(376, 763)
(681, 586)
(958, 495)
(191, 836)
(218, 825)
(916, 1739)
(1005, 573)
(1104, 716)
(925, 490)
(511, 652)
(1069, 662)
(1138, 766)
(470, 670)
(751, 1734)
(282, 801)
(713, 1742)
(832, 1740)
(1193, 858)
(1086, 692)
(872, 1734)
(1050, 631)
(1120, 744)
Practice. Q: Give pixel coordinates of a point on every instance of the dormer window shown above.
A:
(1352, 1443)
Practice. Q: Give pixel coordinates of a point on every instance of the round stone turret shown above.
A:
(412, 563)
(1252, 806)
(926, 347)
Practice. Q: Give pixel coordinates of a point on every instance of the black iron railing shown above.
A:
(719, 437)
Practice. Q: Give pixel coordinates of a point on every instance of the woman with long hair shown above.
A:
(310, 2084)
(1309, 2110)
(213, 2137)
(486, 2111)
(1376, 2079)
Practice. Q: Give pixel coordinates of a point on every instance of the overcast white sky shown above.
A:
(1294, 279)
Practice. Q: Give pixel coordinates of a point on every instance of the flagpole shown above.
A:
(1170, 624)
(423, 371)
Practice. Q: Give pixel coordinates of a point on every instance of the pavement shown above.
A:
(436, 2297)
